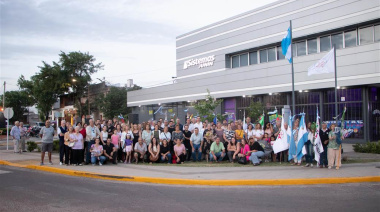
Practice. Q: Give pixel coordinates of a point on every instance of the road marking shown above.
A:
(5, 172)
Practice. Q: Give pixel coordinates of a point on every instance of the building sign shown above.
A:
(200, 62)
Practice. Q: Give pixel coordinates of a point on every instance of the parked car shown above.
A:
(40, 124)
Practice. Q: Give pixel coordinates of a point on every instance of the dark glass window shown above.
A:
(263, 56)
(280, 56)
(377, 33)
(301, 48)
(366, 35)
(325, 43)
(253, 58)
(271, 54)
(243, 59)
(235, 62)
(312, 46)
(350, 38)
(337, 40)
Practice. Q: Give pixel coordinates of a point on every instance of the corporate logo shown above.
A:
(200, 62)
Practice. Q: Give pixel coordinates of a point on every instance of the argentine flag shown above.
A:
(286, 47)
(292, 145)
(302, 138)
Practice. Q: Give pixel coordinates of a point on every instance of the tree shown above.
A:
(206, 108)
(255, 110)
(18, 101)
(71, 74)
(114, 102)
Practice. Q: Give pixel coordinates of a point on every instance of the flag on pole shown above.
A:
(339, 134)
(281, 143)
(261, 120)
(324, 65)
(286, 46)
(292, 144)
(302, 138)
(318, 147)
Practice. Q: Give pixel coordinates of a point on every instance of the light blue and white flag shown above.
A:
(286, 46)
(292, 143)
(302, 138)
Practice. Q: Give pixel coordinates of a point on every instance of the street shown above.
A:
(28, 190)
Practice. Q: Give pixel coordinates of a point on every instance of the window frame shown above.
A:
(373, 33)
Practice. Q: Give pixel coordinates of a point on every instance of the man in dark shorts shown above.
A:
(140, 150)
(47, 134)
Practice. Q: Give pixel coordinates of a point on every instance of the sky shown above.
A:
(133, 39)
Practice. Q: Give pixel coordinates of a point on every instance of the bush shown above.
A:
(4, 131)
(369, 147)
(56, 145)
(31, 146)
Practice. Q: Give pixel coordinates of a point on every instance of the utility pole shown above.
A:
(4, 97)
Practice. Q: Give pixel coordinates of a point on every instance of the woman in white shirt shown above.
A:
(249, 131)
(258, 133)
(104, 135)
(165, 135)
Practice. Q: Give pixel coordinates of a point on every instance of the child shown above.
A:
(272, 140)
(128, 148)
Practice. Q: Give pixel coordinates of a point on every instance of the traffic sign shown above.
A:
(8, 113)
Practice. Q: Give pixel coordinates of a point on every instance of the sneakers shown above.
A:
(329, 167)
(42, 163)
(60, 163)
(100, 164)
(50, 163)
(311, 165)
(307, 165)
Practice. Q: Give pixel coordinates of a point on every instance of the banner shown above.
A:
(281, 143)
(324, 65)
(352, 127)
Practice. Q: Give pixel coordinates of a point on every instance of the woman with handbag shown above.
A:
(154, 150)
(68, 145)
(243, 156)
(233, 150)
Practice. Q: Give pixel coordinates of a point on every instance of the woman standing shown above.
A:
(147, 135)
(68, 149)
(232, 149)
(180, 151)
(154, 150)
(295, 135)
(229, 133)
(249, 132)
(268, 128)
(156, 132)
(104, 135)
(309, 146)
(178, 134)
(77, 138)
(239, 133)
(333, 149)
(136, 134)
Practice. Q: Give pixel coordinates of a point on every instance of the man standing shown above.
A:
(247, 123)
(23, 132)
(186, 142)
(47, 135)
(110, 128)
(179, 123)
(92, 132)
(195, 142)
(324, 135)
(277, 128)
(199, 124)
(217, 151)
(61, 134)
(16, 134)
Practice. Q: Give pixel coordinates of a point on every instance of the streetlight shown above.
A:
(74, 80)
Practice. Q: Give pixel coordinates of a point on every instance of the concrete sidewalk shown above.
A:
(247, 172)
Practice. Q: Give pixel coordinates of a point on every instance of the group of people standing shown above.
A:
(169, 141)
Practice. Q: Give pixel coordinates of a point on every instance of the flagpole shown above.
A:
(291, 56)
(336, 86)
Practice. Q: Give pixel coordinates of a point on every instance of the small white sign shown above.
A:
(342, 99)
(8, 113)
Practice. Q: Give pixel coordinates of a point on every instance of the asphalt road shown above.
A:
(29, 190)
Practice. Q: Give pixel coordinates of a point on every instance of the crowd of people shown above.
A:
(170, 141)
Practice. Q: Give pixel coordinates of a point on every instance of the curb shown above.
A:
(174, 181)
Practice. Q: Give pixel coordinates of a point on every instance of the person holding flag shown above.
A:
(318, 147)
(333, 148)
(309, 146)
(301, 139)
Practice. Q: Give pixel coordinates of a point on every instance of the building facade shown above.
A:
(239, 60)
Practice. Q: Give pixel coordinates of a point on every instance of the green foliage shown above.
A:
(18, 100)
(255, 110)
(72, 74)
(114, 102)
(206, 108)
(369, 147)
(31, 146)
(4, 131)
(56, 145)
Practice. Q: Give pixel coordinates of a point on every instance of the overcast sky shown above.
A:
(132, 38)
